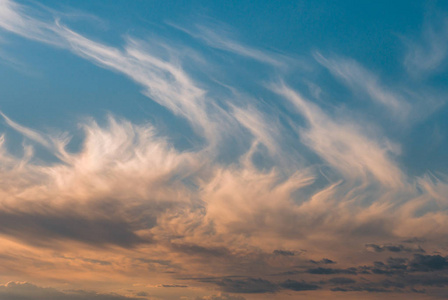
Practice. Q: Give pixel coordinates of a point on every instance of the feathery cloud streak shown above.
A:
(129, 205)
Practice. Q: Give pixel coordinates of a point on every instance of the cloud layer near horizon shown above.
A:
(308, 197)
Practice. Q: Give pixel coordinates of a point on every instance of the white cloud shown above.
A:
(427, 54)
(344, 145)
(360, 79)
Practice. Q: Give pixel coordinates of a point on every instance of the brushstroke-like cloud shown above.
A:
(427, 53)
(128, 204)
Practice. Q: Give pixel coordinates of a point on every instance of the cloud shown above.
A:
(393, 248)
(361, 289)
(43, 229)
(344, 145)
(28, 291)
(324, 261)
(328, 271)
(428, 263)
(164, 81)
(361, 80)
(173, 286)
(264, 131)
(197, 250)
(298, 286)
(222, 296)
(284, 252)
(105, 211)
(341, 280)
(129, 204)
(221, 39)
(427, 53)
(249, 285)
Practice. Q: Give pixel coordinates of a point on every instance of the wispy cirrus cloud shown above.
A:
(344, 145)
(427, 53)
(129, 205)
(361, 80)
(221, 39)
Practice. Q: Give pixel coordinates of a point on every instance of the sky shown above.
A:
(223, 150)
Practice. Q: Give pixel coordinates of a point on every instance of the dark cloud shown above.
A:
(360, 289)
(428, 263)
(403, 283)
(284, 252)
(414, 240)
(249, 285)
(392, 284)
(221, 297)
(384, 269)
(327, 271)
(298, 285)
(196, 250)
(28, 291)
(155, 261)
(399, 266)
(174, 286)
(42, 229)
(397, 263)
(293, 272)
(142, 294)
(341, 280)
(401, 275)
(394, 248)
(96, 261)
(426, 280)
(324, 261)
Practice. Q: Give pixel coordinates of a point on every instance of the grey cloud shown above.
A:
(284, 252)
(397, 262)
(404, 266)
(402, 283)
(298, 285)
(294, 272)
(393, 248)
(97, 261)
(327, 271)
(402, 275)
(41, 228)
(193, 249)
(414, 240)
(360, 289)
(427, 263)
(249, 285)
(174, 286)
(384, 286)
(341, 280)
(324, 261)
(426, 280)
(28, 291)
(392, 284)
(393, 266)
(222, 296)
(87, 260)
(155, 261)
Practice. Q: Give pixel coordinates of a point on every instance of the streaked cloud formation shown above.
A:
(284, 188)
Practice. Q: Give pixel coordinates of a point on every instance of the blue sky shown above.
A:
(224, 149)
